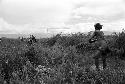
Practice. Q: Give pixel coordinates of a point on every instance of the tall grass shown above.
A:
(63, 59)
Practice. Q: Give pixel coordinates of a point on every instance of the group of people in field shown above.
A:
(97, 38)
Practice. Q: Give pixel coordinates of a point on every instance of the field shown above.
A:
(61, 59)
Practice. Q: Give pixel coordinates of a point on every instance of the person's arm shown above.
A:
(93, 35)
(103, 35)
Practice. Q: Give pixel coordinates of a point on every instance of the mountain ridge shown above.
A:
(40, 35)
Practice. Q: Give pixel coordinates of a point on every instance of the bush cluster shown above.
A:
(61, 59)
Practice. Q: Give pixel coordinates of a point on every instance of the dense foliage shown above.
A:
(62, 59)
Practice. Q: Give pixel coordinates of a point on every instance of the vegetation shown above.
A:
(61, 59)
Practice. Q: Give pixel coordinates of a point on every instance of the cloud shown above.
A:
(6, 28)
(97, 10)
(30, 16)
(1, 1)
(86, 27)
(35, 11)
(35, 16)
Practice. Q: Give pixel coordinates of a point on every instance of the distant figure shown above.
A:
(22, 39)
(100, 42)
(0, 39)
(32, 40)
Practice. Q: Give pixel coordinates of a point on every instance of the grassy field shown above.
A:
(62, 62)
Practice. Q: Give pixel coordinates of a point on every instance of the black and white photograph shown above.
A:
(62, 41)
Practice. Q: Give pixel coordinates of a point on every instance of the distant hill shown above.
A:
(25, 35)
(39, 35)
(105, 32)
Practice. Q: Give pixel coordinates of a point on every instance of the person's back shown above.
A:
(100, 43)
(100, 40)
(99, 35)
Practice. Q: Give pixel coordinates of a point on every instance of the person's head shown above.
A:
(98, 26)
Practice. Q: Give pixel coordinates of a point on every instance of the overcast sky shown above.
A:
(34, 16)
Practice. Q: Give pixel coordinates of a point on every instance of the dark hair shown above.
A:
(98, 26)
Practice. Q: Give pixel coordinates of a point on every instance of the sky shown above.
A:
(54, 16)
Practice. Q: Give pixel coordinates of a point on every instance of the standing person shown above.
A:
(101, 44)
(34, 39)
